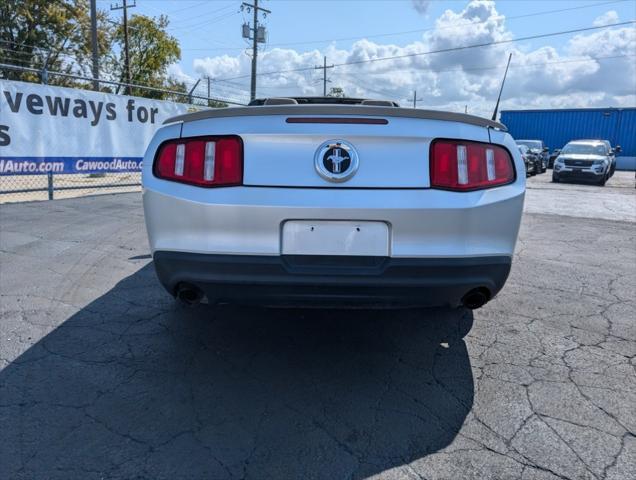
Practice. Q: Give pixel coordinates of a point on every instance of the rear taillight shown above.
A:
(462, 165)
(201, 161)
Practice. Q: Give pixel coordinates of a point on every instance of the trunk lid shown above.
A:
(287, 150)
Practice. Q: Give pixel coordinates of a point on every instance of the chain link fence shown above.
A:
(50, 185)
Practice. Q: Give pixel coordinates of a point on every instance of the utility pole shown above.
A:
(258, 36)
(324, 75)
(254, 53)
(124, 6)
(95, 46)
(415, 99)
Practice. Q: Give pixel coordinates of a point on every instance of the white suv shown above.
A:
(592, 160)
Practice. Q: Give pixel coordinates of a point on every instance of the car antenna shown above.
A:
(494, 114)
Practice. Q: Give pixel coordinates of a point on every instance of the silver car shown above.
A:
(298, 201)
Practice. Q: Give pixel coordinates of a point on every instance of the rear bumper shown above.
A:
(249, 221)
(332, 280)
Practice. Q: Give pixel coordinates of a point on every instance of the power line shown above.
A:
(186, 8)
(198, 19)
(230, 83)
(487, 44)
(226, 88)
(405, 32)
(42, 53)
(494, 67)
(446, 50)
(498, 67)
(359, 82)
(454, 25)
(234, 90)
(110, 82)
(193, 28)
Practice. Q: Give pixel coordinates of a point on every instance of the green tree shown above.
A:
(336, 92)
(151, 51)
(174, 85)
(217, 104)
(49, 34)
(56, 35)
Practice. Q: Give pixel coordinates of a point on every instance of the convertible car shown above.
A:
(329, 202)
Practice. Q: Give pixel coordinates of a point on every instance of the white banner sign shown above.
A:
(47, 129)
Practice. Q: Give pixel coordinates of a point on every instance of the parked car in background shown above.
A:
(532, 157)
(528, 161)
(613, 151)
(538, 163)
(588, 160)
(553, 156)
(302, 201)
(538, 148)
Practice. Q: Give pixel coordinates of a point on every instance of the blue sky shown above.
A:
(210, 36)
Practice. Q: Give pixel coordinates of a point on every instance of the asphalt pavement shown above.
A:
(102, 375)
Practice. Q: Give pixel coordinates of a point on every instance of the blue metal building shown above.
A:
(558, 127)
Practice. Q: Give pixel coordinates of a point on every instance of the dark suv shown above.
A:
(538, 148)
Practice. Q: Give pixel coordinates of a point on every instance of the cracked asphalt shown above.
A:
(102, 375)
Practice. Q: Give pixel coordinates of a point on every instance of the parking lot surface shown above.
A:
(102, 375)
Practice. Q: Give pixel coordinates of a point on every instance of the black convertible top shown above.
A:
(321, 101)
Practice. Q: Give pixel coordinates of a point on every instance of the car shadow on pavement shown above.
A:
(134, 386)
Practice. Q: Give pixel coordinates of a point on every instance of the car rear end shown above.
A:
(324, 205)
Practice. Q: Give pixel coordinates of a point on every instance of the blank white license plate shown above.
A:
(323, 237)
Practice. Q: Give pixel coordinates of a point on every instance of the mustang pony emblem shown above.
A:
(336, 160)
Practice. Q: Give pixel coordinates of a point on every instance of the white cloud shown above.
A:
(607, 18)
(175, 71)
(540, 78)
(221, 66)
(421, 6)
